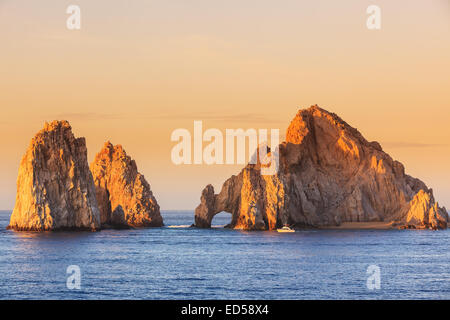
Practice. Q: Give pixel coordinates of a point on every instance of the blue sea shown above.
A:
(178, 262)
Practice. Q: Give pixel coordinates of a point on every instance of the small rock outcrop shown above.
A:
(55, 189)
(424, 213)
(328, 174)
(124, 196)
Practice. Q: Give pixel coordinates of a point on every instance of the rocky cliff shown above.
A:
(55, 189)
(328, 174)
(124, 196)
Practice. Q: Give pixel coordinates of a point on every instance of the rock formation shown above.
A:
(423, 212)
(328, 174)
(55, 189)
(124, 196)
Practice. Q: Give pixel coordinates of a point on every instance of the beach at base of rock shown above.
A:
(363, 226)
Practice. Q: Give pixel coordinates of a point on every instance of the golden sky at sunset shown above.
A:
(137, 70)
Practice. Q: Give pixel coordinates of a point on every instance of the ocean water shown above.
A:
(176, 262)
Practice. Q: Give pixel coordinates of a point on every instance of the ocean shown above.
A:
(178, 262)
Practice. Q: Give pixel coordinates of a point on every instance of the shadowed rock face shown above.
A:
(55, 189)
(329, 174)
(124, 196)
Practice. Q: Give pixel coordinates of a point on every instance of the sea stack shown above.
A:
(55, 189)
(124, 196)
(328, 174)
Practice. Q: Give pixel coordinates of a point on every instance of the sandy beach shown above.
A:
(363, 225)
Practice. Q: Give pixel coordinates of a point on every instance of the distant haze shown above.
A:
(138, 70)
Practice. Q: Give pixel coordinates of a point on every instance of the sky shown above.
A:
(138, 70)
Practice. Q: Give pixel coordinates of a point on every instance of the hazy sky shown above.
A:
(137, 70)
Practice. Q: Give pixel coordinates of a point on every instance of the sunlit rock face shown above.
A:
(424, 212)
(55, 189)
(253, 200)
(329, 174)
(124, 196)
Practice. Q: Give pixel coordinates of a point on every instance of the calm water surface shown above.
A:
(185, 263)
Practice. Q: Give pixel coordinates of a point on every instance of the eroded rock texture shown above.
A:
(124, 196)
(55, 189)
(329, 174)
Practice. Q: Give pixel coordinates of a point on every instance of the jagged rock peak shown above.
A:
(55, 189)
(123, 195)
(329, 174)
(302, 123)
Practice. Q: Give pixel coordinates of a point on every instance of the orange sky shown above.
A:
(136, 71)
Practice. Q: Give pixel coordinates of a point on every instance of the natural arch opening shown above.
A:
(221, 220)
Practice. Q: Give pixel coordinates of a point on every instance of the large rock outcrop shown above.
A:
(328, 174)
(55, 189)
(124, 196)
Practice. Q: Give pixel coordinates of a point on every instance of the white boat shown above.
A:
(285, 229)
